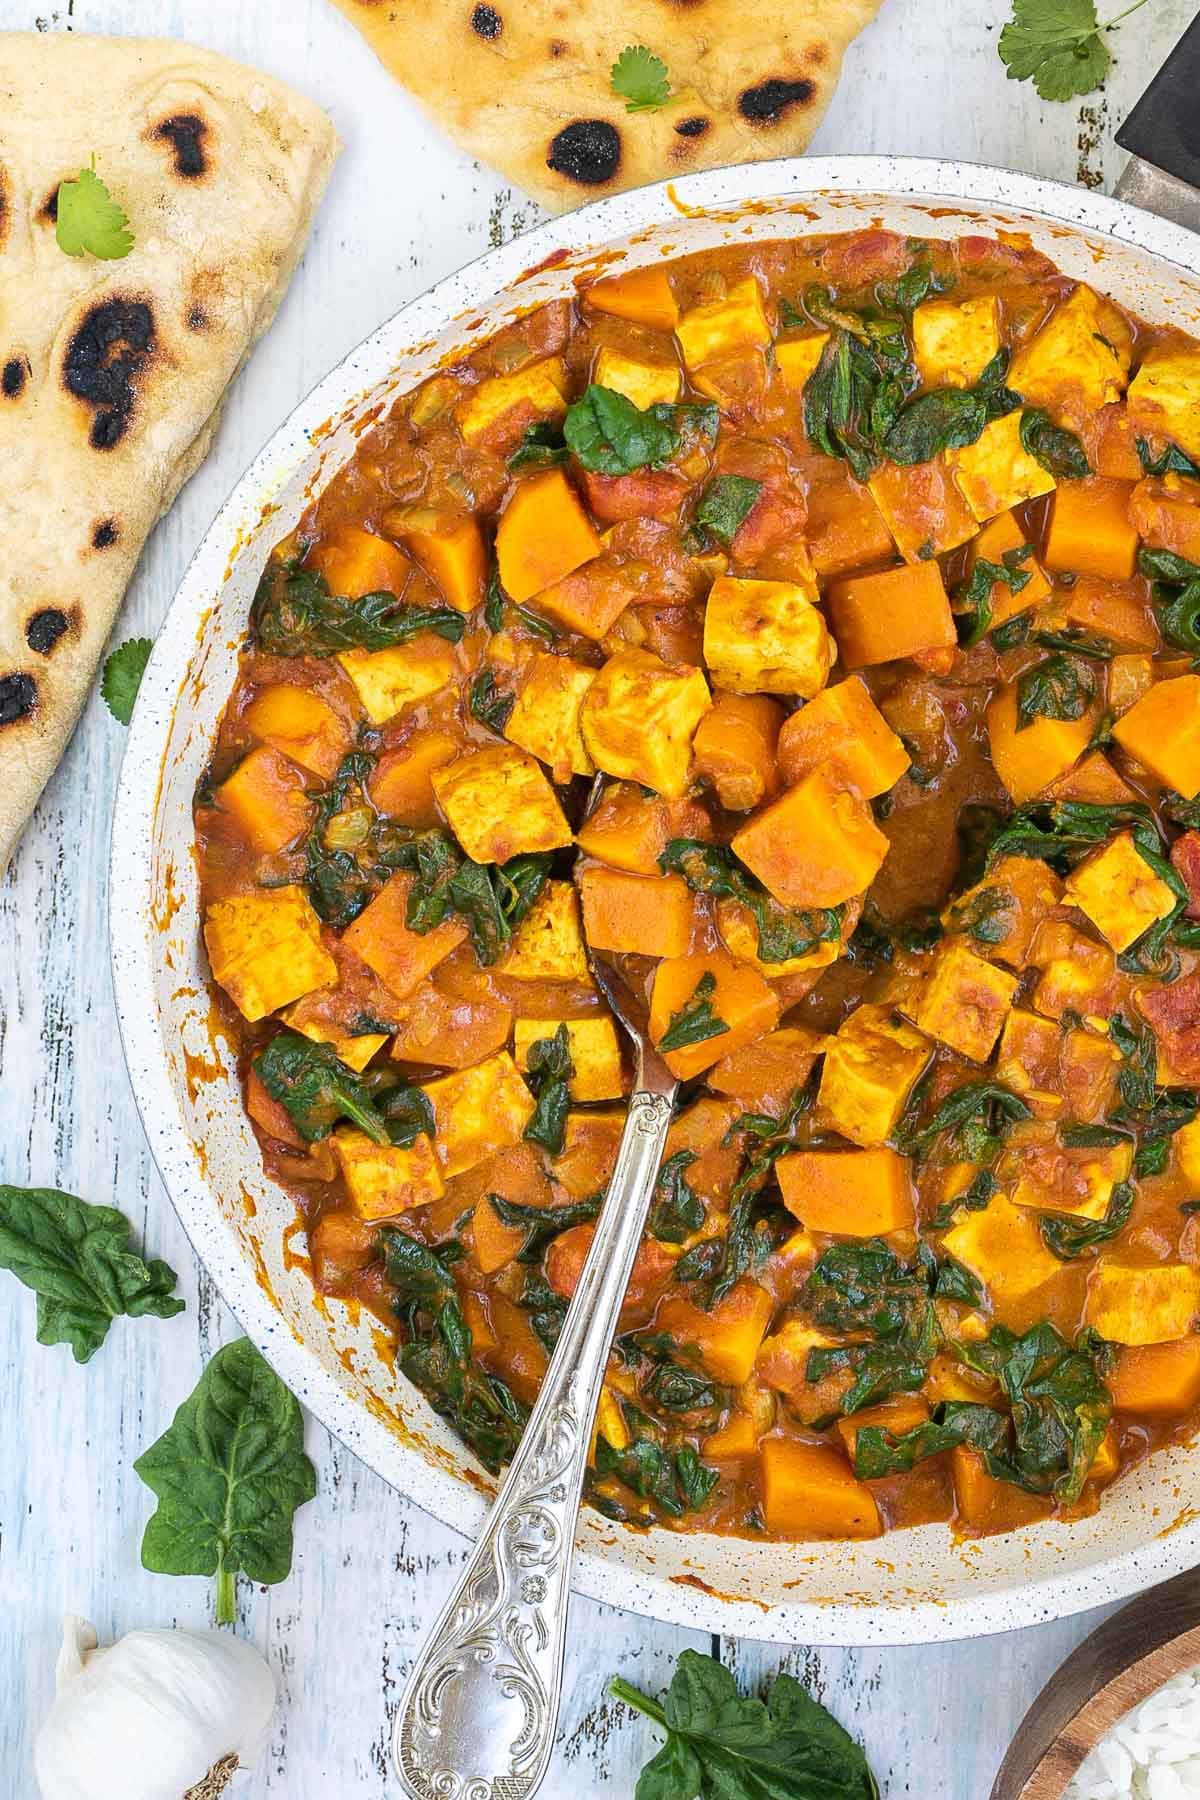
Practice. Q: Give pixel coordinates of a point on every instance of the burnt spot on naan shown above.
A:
(557, 48)
(186, 134)
(486, 22)
(5, 206)
(197, 319)
(587, 151)
(18, 698)
(768, 103)
(694, 127)
(13, 377)
(109, 350)
(105, 533)
(48, 210)
(44, 628)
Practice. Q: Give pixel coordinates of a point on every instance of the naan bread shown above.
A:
(525, 84)
(112, 373)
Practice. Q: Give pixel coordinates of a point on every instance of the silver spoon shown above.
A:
(478, 1716)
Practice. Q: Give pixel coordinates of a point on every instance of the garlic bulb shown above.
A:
(169, 1715)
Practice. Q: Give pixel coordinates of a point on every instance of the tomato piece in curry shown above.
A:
(866, 573)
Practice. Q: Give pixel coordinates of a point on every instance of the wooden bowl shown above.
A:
(1153, 1638)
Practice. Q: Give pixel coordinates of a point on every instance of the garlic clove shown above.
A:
(174, 1712)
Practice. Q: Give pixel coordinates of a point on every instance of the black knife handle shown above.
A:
(1164, 126)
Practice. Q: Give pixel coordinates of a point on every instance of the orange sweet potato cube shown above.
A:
(809, 1491)
(648, 915)
(848, 1193)
(896, 613)
(1160, 1380)
(1120, 610)
(843, 726)
(401, 783)
(643, 296)
(590, 600)
(1000, 537)
(447, 1032)
(381, 938)
(900, 1413)
(845, 528)
(817, 845)
(544, 533)
(1162, 730)
(449, 547)
(727, 1337)
(300, 724)
(1029, 759)
(356, 562)
(734, 747)
(922, 508)
(630, 829)
(1091, 532)
(737, 995)
(266, 795)
(983, 1505)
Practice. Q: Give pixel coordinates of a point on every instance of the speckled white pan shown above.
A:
(911, 1586)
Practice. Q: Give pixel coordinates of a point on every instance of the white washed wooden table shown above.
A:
(404, 208)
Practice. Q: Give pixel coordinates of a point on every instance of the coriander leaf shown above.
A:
(76, 1258)
(640, 79)
(609, 435)
(229, 1473)
(88, 220)
(695, 1022)
(728, 1747)
(726, 503)
(1057, 45)
(122, 677)
(1058, 687)
(1057, 450)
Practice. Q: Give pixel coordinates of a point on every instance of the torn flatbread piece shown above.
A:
(112, 373)
(526, 85)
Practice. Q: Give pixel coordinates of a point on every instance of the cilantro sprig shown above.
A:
(1058, 45)
(88, 221)
(122, 677)
(640, 79)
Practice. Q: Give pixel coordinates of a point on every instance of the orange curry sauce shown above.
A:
(861, 569)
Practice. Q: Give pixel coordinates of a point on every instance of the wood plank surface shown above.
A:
(404, 208)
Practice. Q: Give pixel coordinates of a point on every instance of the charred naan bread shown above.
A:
(112, 373)
(526, 84)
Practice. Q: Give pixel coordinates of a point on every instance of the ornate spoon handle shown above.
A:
(478, 1716)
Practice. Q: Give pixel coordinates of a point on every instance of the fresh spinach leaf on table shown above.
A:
(76, 1258)
(229, 1474)
(722, 1745)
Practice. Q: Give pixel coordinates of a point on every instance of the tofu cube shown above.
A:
(539, 390)
(997, 472)
(843, 726)
(386, 681)
(1162, 730)
(1164, 395)
(1129, 1303)
(796, 359)
(1077, 973)
(1053, 1177)
(595, 1053)
(1119, 892)
(817, 845)
(1004, 1248)
(766, 637)
(499, 804)
(871, 1066)
(922, 509)
(1187, 1152)
(1078, 361)
(548, 943)
(265, 949)
(381, 937)
(639, 717)
(1027, 1060)
(545, 718)
(954, 341)
(355, 1052)
(645, 383)
(719, 328)
(1001, 913)
(848, 1193)
(384, 1180)
(965, 1000)
(478, 1112)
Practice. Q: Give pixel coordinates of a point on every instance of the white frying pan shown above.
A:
(913, 1585)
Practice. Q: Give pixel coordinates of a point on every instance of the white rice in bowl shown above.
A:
(1153, 1753)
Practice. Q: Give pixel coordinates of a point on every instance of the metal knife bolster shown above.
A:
(1163, 135)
